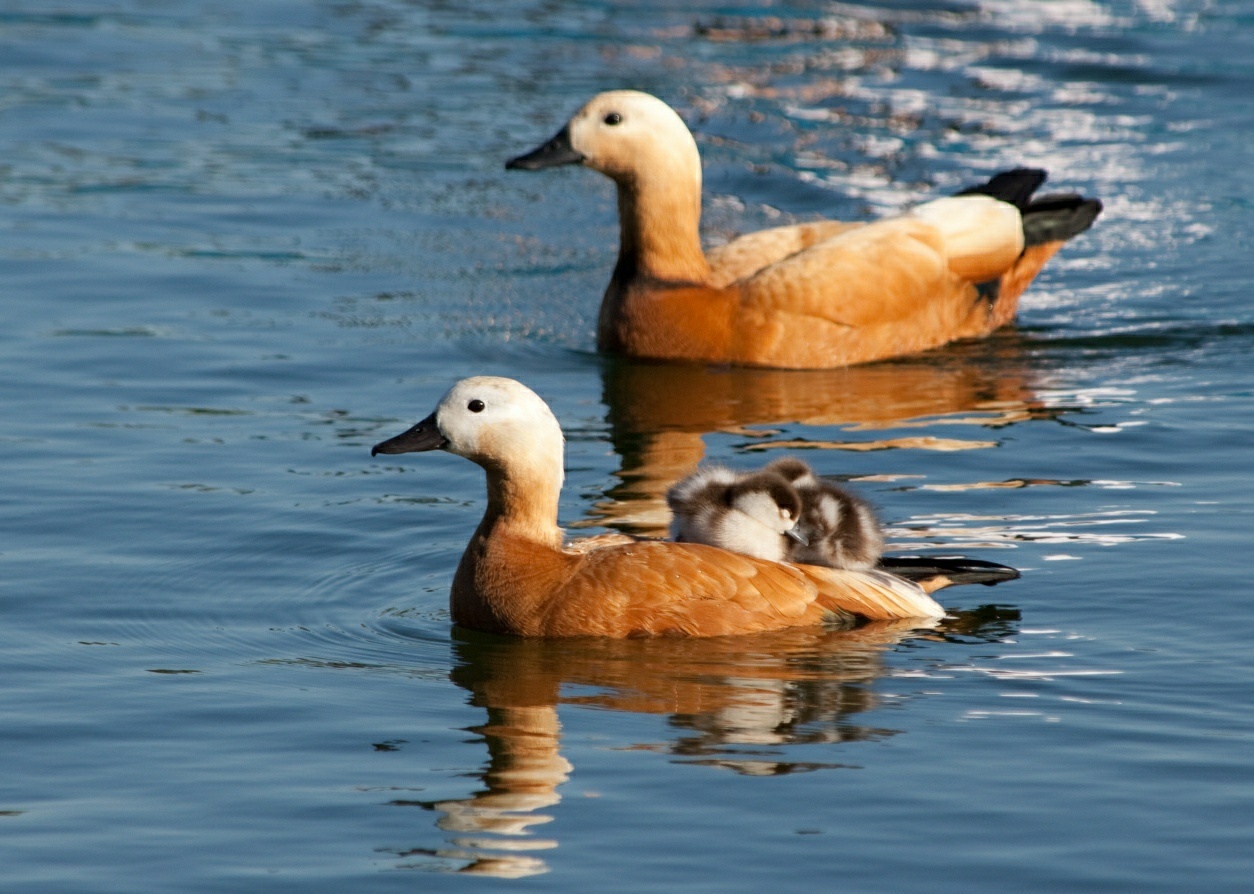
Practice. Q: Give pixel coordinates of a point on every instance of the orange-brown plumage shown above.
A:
(816, 295)
(516, 578)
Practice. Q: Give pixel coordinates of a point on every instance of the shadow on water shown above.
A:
(736, 703)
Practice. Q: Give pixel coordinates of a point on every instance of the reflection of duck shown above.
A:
(515, 578)
(752, 514)
(838, 528)
(743, 704)
(815, 295)
(659, 414)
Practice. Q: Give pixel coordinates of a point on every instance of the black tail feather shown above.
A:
(1049, 218)
(1015, 186)
(1058, 217)
(959, 569)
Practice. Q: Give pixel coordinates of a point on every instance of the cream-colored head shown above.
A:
(626, 135)
(646, 149)
(623, 133)
(498, 423)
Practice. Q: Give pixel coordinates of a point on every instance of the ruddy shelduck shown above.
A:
(810, 296)
(516, 578)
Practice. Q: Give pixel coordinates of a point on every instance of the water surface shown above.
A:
(240, 243)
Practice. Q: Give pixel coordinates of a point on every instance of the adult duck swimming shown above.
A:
(516, 577)
(810, 296)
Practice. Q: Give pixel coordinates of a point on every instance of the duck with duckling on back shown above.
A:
(515, 577)
(815, 295)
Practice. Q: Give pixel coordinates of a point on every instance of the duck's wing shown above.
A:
(599, 541)
(746, 255)
(657, 587)
(885, 289)
(885, 269)
(876, 595)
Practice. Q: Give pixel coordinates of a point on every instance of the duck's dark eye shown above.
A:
(613, 118)
(475, 406)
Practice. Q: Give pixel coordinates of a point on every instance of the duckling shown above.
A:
(853, 541)
(816, 295)
(755, 515)
(516, 578)
(839, 528)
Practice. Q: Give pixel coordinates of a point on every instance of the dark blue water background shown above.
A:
(241, 242)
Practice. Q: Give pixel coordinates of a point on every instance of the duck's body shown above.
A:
(755, 515)
(815, 295)
(516, 578)
(838, 528)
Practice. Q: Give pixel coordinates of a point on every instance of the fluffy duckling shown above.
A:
(839, 529)
(816, 295)
(755, 515)
(516, 578)
(834, 528)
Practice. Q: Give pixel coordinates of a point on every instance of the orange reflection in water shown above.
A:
(737, 702)
(659, 413)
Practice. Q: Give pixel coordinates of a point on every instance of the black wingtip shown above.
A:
(958, 569)
(1057, 218)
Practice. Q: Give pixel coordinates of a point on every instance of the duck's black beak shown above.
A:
(423, 436)
(798, 535)
(557, 151)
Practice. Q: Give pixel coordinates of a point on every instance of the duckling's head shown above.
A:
(498, 423)
(769, 500)
(793, 470)
(624, 134)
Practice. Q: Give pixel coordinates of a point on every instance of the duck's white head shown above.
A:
(498, 423)
(624, 134)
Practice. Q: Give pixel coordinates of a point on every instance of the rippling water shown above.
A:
(239, 243)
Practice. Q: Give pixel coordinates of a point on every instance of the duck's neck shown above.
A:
(500, 584)
(659, 219)
(523, 503)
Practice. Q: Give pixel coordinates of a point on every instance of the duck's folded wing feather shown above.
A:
(659, 587)
(884, 270)
(873, 594)
(982, 236)
(746, 255)
(863, 277)
(655, 587)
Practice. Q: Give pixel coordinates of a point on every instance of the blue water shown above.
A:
(241, 242)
